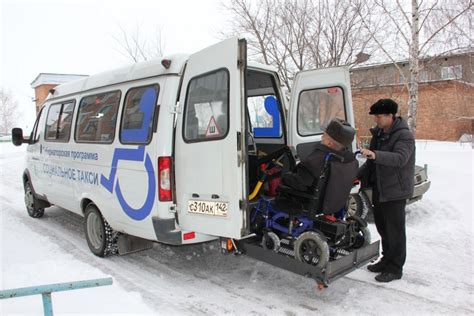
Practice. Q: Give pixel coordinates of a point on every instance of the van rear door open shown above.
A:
(208, 173)
(318, 96)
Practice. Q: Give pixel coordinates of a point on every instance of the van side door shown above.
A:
(317, 97)
(209, 169)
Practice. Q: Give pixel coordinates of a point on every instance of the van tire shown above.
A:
(31, 202)
(101, 238)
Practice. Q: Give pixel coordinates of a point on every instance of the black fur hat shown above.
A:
(341, 131)
(384, 106)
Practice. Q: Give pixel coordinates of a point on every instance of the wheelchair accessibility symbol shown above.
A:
(108, 183)
(137, 135)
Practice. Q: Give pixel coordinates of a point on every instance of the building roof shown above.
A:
(453, 53)
(52, 78)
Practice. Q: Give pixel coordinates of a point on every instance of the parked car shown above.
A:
(360, 203)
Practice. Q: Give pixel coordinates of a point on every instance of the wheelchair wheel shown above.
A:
(360, 233)
(362, 239)
(271, 241)
(311, 248)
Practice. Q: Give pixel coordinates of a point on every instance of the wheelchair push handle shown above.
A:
(333, 156)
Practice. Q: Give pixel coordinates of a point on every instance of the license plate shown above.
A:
(208, 208)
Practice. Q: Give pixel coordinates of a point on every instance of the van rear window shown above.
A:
(138, 114)
(207, 107)
(97, 118)
(58, 122)
(317, 107)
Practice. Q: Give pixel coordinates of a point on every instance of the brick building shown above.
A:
(445, 100)
(44, 82)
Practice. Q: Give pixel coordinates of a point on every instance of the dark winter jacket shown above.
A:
(340, 181)
(393, 169)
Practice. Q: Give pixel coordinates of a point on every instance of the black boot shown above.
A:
(377, 267)
(388, 276)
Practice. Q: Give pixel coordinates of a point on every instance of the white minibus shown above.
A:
(166, 150)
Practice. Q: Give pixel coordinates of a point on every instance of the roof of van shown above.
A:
(141, 70)
(254, 64)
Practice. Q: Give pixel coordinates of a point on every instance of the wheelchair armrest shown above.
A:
(295, 193)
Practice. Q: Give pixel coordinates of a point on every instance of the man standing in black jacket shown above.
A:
(389, 171)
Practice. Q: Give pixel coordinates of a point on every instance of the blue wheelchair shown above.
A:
(293, 223)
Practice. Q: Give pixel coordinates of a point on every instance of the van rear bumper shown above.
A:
(166, 232)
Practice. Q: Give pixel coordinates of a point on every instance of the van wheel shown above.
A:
(310, 248)
(101, 239)
(31, 202)
(355, 206)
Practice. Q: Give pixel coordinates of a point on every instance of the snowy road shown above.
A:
(438, 276)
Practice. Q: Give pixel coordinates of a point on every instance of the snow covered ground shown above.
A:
(438, 276)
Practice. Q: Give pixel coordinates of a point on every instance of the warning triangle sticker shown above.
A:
(212, 128)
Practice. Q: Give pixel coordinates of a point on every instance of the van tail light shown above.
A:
(164, 179)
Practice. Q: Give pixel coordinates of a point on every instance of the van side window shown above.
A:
(207, 107)
(317, 107)
(137, 115)
(97, 118)
(58, 121)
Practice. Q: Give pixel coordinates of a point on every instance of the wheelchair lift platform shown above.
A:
(334, 269)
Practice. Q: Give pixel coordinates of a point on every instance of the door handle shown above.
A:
(195, 195)
(215, 196)
(34, 158)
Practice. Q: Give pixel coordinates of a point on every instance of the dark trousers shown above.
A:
(390, 222)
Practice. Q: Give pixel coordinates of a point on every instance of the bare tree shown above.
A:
(136, 46)
(8, 111)
(300, 34)
(415, 29)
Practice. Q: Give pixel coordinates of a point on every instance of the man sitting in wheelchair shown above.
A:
(307, 219)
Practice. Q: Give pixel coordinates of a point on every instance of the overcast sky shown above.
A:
(77, 37)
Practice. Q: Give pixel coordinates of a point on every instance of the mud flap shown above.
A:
(334, 269)
(129, 244)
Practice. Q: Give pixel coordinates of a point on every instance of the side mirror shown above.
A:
(17, 137)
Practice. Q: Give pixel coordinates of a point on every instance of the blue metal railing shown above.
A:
(46, 290)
